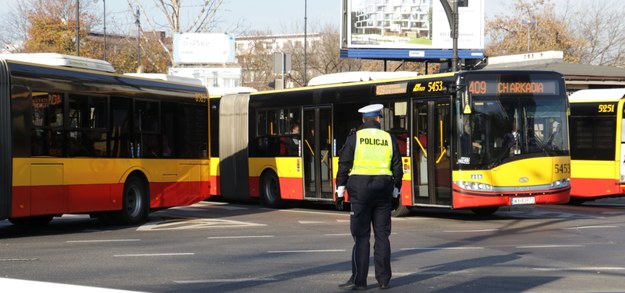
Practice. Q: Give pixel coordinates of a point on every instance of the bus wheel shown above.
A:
(270, 190)
(484, 211)
(135, 206)
(401, 211)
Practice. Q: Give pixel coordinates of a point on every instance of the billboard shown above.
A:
(410, 25)
(203, 48)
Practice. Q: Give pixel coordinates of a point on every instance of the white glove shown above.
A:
(340, 191)
(395, 192)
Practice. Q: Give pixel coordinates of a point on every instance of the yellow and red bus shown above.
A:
(257, 153)
(83, 141)
(597, 144)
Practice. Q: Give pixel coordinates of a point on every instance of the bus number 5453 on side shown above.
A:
(562, 168)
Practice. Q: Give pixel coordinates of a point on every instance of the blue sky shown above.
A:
(278, 16)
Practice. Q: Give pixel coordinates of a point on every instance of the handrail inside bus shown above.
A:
(425, 153)
(443, 150)
(309, 147)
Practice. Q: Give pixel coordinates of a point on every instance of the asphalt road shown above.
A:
(222, 247)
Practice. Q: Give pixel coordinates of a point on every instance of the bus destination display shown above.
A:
(498, 87)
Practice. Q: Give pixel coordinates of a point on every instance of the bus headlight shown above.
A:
(561, 183)
(478, 186)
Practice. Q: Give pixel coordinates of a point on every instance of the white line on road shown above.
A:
(154, 254)
(338, 234)
(312, 222)
(592, 269)
(471, 231)
(590, 227)
(306, 251)
(240, 237)
(102, 240)
(18, 259)
(315, 213)
(444, 248)
(550, 246)
(226, 280)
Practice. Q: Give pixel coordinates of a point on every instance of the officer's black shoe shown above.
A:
(349, 285)
(384, 286)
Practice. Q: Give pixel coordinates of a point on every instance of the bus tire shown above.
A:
(270, 190)
(135, 203)
(32, 221)
(401, 211)
(484, 211)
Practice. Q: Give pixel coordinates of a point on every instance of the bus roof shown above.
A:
(56, 59)
(167, 77)
(594, 95)
(356, 76)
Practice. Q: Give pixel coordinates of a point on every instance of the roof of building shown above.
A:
(574, 74)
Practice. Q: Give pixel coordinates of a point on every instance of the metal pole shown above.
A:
(77, 27)
(138, 23)
(305, 41)
(454, 57)
(528, 37)
(104, 51)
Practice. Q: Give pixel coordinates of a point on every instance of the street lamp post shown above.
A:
(305, 41)
(528, 23)
(77, 27)
(138, 23)
(104, 29)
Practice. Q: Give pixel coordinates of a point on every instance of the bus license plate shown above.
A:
(523, 200)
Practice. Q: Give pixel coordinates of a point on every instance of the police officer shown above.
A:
(370, 169)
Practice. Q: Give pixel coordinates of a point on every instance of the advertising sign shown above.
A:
(419, 24)
(203, 48)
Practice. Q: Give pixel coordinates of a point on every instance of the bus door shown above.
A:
(317, 160)
(431, 163)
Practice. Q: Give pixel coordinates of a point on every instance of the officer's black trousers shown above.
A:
(363, 216)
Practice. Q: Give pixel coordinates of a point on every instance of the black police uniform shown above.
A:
(371, 204)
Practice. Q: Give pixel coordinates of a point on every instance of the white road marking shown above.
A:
(315, 213)
(240, 237)
(550, 246)
(471, 231)
(15, 285)
(154, 254)
(591, 227)
(185, 224)
(338, 234)
(18, 259)
(306, 251)
(226, 280)
(444, 248)
(312, 222)
(592, 269)
(102, 240)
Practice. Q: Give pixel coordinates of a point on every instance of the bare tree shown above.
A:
(203, 13)
(591, 33)
(533, 27)
(601, 26)
(46, 25)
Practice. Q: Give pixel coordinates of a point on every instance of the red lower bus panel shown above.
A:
(62, 199)
(464, 200)
(592, 187)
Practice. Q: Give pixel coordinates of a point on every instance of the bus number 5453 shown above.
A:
(563, 168)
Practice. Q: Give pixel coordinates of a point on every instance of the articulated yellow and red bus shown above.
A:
(452, 129)
(77, 140)
(597, 144)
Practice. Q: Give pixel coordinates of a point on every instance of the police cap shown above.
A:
(371, 110)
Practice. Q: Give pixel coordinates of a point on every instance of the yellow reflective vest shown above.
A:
(372, 153)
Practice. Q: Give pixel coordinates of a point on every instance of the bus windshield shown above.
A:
(501, 129)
